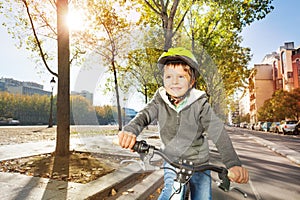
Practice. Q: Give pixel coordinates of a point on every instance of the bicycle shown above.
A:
(184, 170)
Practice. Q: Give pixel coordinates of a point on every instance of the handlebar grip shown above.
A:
(141, 146)
(136, 146)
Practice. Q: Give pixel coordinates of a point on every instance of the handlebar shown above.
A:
(186, 168)
(142, 147)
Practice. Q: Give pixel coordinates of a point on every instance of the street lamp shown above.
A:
(52, 84)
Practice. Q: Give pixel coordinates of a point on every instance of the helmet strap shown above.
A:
(176, 100)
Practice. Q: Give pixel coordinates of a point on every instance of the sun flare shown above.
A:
(75, 20)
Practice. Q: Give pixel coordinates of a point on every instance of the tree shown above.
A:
(171, 15)
(105, 114)
(216, 31)
(41, 24)
(292, 104)
(266, 112)
(213, 28)
(82, 112)
(279, 104)
(282, 105)
(28, 109)
(108, 39)
(63, 96)
(35, 44)
(142, 65)
(217, 46)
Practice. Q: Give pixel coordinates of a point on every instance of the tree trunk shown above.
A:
(146, 94)
(63, 96)
(118, 97)
(168, 39)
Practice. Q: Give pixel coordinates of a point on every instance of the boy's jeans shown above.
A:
(200, 185)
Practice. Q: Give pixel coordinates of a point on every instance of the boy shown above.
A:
(184, 115)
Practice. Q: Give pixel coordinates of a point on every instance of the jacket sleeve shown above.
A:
(144, 117)
(216, 132)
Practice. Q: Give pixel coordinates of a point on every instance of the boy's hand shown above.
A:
(126, 139)
(239, 174)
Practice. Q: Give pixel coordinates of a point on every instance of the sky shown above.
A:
(263, 37)
(267, 35)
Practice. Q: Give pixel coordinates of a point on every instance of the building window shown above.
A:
(275, 73)
(298, 70)
(290, 77)
(275, 69)
(283, 60)
(279, 84)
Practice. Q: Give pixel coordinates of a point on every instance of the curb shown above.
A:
(107, 182)
(280, 149)
(146, 187)
(26, 187)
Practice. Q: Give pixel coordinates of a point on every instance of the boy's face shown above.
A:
(177, 80)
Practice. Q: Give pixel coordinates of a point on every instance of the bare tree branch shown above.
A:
(37, 40)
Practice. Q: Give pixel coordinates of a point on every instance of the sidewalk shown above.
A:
(22, 187)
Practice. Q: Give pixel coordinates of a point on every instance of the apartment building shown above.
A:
(279, 70)
(260, 88)
(19, 87)
(296, 67)
(86, 94)
(244, 103)
(286, 74)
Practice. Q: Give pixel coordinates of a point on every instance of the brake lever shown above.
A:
(144, 162)
(240, 191)
(224, 184)
(146, 158)
(139, 162)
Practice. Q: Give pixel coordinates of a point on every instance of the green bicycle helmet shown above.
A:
(179, 54)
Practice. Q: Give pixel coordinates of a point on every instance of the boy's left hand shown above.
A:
(239, 174)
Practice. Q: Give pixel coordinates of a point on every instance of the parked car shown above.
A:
(297, 128)
(251, 126)
(274, 127)
(258, 126)
(287, 126)
(266, 126)
(243, 125)
(9, 122)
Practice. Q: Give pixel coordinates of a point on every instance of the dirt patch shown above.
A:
(79, 167)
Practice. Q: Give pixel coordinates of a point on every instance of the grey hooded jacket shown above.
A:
(185, 132)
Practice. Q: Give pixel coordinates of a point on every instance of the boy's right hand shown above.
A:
(126, 139)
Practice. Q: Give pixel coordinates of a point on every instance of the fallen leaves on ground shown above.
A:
(79, 167)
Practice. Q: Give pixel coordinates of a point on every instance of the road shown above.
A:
(271, 175)
(290, 141)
